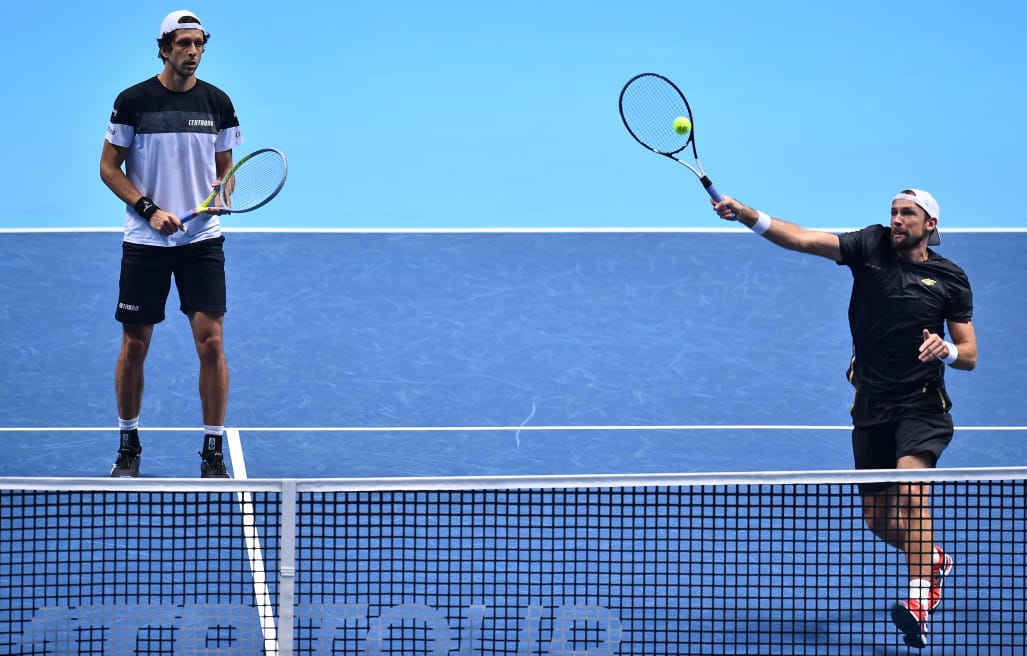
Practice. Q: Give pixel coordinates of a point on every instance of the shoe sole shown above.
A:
(906, 622)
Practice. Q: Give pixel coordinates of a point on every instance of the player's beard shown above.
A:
(908, 242)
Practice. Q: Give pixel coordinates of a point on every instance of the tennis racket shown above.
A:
(649, 104)
(251, 183)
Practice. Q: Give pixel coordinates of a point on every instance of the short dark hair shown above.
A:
(169, 38)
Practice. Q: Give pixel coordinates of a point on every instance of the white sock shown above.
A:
(213, 430)
(920, 590)
(128, 424)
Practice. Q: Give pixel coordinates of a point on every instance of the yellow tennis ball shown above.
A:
(682, 125)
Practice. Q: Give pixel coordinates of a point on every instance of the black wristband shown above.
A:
(145, 207)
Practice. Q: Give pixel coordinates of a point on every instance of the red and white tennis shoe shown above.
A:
(911, 618)
(941, 568)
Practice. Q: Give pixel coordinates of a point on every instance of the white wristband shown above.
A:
(762, 223)
(953, 353)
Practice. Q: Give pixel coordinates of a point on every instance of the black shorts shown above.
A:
(917, 426)
(146, 271)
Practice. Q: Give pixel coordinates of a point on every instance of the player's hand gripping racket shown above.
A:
(251, 183)
(649, 106)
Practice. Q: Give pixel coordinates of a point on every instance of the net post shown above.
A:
(287, 569)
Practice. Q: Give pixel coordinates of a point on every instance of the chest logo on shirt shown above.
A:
(928, 282)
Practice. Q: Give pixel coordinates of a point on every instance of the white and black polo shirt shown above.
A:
(171, 139)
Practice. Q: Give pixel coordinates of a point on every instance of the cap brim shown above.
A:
(934, 239)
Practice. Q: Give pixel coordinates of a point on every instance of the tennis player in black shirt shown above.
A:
(904, 297)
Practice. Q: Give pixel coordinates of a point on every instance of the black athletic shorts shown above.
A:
(146, 272)
(884, 431)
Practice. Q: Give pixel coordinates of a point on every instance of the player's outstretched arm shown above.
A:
(783, 233)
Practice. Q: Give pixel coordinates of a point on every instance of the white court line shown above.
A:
(677, 427)
(261, 592)
(501, 230)
(472, 429)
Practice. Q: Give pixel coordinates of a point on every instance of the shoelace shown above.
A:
(125, 459)
(215, 464)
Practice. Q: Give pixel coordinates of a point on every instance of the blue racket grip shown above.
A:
(710, 189)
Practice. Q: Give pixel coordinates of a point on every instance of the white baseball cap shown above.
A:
(928, 204)
(179, 20)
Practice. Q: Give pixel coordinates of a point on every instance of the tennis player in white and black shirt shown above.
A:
(169, 140)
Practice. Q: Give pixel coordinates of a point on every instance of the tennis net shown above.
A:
(753, 563)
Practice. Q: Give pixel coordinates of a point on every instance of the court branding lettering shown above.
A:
(230, 629)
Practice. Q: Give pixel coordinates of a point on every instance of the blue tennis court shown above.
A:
(398, 355)
(381, 354)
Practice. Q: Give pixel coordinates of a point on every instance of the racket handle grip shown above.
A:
(190, 217)
(710, 189)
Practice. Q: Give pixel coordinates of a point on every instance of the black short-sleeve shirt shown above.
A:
(892, 302)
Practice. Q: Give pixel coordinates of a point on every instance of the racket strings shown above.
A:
(255, 182)
(649, 106)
